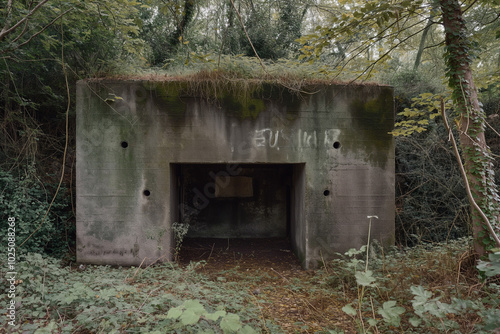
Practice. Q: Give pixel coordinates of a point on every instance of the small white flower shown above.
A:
(370, 217)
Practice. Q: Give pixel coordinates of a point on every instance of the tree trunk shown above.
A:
(476, 154)
(421, 47)
(187, 15)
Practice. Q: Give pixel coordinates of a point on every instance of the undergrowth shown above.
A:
(26, 198)
(101, 299)
(425, 289)
(428, 288)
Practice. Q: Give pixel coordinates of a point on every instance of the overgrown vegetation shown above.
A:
(100, 299)
(157, 39)
(427, 289)
(39, 229)
(421, 289)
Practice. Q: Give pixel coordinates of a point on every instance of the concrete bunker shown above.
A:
(260, 163)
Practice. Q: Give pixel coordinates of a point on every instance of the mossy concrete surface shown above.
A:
(310, 165)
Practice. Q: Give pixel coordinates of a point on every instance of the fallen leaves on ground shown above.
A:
(291, 297)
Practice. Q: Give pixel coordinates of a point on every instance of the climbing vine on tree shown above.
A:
(470, 121)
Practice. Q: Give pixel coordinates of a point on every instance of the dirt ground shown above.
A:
(287, 294)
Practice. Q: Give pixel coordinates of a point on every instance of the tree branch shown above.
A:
(7, 31)
(9, 9)
(37, 33)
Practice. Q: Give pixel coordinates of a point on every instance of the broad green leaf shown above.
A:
(189, 317)
(214, 316)
(420, 292)
(230, 323)
(391, 313)
(174, 313)
(365, 278)
(348, 309)
(194, 306)
(415, 322)
(491, 268)
(354, 251)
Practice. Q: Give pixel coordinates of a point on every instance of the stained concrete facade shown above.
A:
(234, 160)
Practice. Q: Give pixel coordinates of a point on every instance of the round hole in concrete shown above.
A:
(146, 192)
(336, 144)
(124, 144)
(326, 192)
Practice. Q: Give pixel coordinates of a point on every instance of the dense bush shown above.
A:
(431, 201)
(100, 299)
(27, 199)
(430, 194)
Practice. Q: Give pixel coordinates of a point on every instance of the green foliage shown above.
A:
(101, 299)
(164, 28)
(392, 293)
(418, 95)
(420, 290)
(191, 311)
(228, 68)
(91, 37)
(492, 267)
(27, 199)
(181, 28)
(391, 313)
(179, 232)
(410, 83)
(424, 108)
(353, 42)
(459, 56)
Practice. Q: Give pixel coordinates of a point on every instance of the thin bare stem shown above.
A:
(248, 37)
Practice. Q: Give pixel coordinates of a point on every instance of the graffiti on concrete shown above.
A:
(300, 138)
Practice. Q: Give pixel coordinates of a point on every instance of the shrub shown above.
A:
(431, 201)
(27, 199)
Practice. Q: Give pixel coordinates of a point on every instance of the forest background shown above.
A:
(46, 46)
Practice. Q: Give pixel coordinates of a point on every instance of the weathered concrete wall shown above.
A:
(138, 141)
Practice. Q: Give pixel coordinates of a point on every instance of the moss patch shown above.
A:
(372, 120)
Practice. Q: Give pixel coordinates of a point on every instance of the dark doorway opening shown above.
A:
(240, 204)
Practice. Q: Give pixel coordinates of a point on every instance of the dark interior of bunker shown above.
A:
(236, 201)
(242, 201)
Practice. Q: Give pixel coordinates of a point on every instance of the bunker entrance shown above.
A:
(241, 201)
